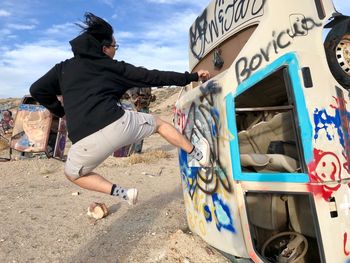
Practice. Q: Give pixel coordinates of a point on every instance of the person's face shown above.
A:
(111, 49)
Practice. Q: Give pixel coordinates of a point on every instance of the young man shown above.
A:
(91, 83)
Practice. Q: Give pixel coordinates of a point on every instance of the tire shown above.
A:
(337, 48)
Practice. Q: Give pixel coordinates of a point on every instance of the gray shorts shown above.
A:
(86, 154)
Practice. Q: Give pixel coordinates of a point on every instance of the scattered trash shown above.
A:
(209, 251)
(148, 174)
(75, 193)
(97, 210)
(45, 170)
(153, 175)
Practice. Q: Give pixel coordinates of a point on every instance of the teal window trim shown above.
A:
(290, 61)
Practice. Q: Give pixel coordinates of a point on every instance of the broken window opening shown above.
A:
(269, 141)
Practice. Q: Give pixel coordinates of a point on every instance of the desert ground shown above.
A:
(43, 217)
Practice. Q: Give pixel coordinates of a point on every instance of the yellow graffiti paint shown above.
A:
(202, 228)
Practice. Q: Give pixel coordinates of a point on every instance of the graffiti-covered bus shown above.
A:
(276, 116)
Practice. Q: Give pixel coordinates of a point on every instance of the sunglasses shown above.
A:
(115, 46)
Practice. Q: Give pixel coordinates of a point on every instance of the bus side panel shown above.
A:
(211, 206)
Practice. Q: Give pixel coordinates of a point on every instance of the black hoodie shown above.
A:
(91, 84)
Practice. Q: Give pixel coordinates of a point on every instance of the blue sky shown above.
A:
(34, 34)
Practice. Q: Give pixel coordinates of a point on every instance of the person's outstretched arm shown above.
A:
(142, 77)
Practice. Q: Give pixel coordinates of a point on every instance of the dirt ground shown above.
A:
(43, 219)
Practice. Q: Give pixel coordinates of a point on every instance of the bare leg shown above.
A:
(93, 181)
(173, 136)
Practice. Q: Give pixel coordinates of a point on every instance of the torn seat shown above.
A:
(269, 146)
(269, 162)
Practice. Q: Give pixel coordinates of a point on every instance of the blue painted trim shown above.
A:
(290, 60)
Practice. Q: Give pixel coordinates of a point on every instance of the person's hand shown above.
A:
(203, 75)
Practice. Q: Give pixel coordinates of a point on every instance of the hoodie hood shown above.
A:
(86, 45)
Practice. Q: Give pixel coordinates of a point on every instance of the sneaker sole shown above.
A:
(134, 198)
(206, 153)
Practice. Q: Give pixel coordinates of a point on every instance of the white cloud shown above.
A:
(164, 45)
(155, 57)
(21, 66)
(110, 3)
(342, 6)
(66, 30)
(11, 36)
(4, 13)
(202, 3)
(5, 32)
(171, 32)
(165, 1)
(176, 25)
(21, 26)
(124, 35)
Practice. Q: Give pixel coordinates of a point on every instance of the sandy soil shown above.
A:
(41, 221)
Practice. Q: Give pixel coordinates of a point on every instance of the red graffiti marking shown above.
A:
(253, 256)
(346, 165)
(180, 119)
(344, 120)
(340, 102)
(346, 252)
(319, 190)
(326, 167)
(340, 107)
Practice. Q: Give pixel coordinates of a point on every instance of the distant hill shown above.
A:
(9, 104)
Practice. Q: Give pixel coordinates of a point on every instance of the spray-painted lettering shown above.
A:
(245, 66)
(227, 16)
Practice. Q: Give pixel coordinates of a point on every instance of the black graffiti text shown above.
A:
(245, 66)
(227, 16)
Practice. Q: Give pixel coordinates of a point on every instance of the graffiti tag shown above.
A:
(203, 121)
(212, 210)
(245, 66)
(228, 15)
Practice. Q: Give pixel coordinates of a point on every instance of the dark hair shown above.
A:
(98, 28)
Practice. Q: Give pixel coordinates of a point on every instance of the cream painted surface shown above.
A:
(275, 20)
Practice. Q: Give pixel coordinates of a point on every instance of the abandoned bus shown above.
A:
(276, 116)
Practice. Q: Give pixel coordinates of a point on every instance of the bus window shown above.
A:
(267, 134)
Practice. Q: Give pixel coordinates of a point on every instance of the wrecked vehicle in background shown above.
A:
(6, 121)
(276, 116)
(36, 130)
